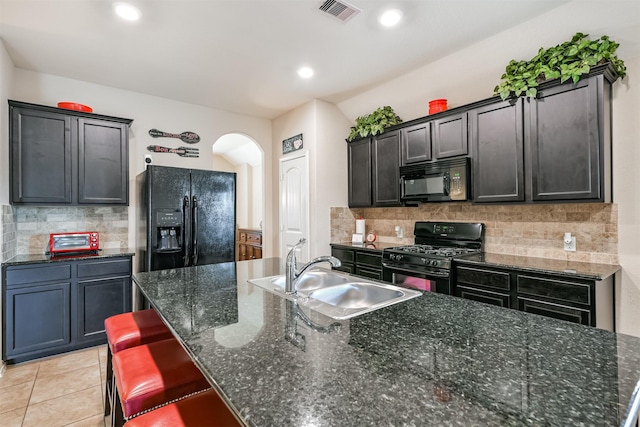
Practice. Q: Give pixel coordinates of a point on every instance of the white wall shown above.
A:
(471, 74)
(152, 112)
(626, 193)
(6, 85)
(324, 129)
(255, 218)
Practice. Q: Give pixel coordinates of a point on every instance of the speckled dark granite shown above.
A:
(434, 360)
(374, 247)
(583, 270)
(42, 258)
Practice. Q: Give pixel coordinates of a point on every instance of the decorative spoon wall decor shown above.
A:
(180, 151)
(188, 137)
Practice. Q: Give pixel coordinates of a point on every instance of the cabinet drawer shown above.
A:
(28, 275)
(242, 236)
(372, 260)
(490, 279)
(343, 255)
(556, 289)
(557, 311)
(255, 239)
(117, 267)
(481, 295)
(371, 273)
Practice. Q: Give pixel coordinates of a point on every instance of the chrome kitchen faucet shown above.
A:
(292, 275)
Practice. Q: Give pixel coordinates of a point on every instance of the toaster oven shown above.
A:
(75, 242)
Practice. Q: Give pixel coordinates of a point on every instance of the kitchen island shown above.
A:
(433, 360)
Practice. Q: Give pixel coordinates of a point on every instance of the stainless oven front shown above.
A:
(437, 280)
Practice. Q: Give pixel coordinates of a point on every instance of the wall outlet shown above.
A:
(569, 242)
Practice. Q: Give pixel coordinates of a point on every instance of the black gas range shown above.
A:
(426, 265)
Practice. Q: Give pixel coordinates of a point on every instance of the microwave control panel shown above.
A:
(458, 183)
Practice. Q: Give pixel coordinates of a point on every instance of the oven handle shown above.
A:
(430, 273)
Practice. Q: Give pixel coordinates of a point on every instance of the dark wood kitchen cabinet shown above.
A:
(569, 140)
(562, 297)
(374, 171)
(554, 148)
(450, 136)
(66, 157)
(359, 160)
(360, 262)
(386, 169)
(60, 306)
(497, 142)
(416, 143)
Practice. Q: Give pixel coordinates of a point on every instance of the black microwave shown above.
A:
(437, 181)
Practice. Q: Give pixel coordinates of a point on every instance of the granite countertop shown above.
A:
(375, 246)
(584, 270)
(42, 258)
(433, 360)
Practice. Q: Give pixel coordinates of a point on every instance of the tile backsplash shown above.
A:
(8, 233)
(526, 230)
(33, 225)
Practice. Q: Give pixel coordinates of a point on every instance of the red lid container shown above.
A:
(437, 105)
(75, 106)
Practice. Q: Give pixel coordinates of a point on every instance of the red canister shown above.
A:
(437, 105)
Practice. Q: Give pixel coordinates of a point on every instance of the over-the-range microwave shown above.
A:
(437, 181)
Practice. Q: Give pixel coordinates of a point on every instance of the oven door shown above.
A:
(427, 281)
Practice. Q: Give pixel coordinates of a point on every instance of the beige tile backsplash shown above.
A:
(33, 225)
(527, 230)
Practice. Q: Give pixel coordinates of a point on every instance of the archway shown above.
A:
(239, 153)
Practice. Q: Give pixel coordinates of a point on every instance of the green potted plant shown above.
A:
(569, 60)
(374, 123)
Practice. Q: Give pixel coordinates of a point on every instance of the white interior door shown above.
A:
(294, 205)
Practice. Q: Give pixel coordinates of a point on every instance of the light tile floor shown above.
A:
(63, 390)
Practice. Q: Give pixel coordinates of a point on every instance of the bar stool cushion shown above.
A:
(135, 328)
(154, 374)
(203, 409)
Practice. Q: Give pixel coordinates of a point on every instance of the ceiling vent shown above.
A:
(339, 9)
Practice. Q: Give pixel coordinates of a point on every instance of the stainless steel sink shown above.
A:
(338, 295)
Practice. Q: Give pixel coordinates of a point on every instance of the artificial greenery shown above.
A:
(569, 60)
(374, 123)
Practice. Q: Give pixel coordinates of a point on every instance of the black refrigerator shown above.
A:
(186, 217)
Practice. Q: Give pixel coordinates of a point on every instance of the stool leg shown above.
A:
(107, 384)
(117, 414)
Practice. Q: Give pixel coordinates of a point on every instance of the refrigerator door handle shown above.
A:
(195, 230)
(186, 227)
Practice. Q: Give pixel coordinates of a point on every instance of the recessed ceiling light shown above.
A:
(390, 17)
(126, 11)
(305, 72)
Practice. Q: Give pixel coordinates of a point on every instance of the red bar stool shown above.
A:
(128, 330)
(203, 409)
(152, 375)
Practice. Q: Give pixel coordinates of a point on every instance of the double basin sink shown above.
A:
(338, 295)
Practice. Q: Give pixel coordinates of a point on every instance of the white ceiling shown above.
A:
(242, 55)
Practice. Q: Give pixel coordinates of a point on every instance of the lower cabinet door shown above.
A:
(37, 318)
(562, 312)
(481, 295)
(97, 300)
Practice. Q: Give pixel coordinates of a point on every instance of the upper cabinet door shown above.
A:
(359, 159)
(497, 142)
(66, 157)
(416, 143)
(386, 169)
(40, 157)
(566, 139)
(103, 162)
(450, 136)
